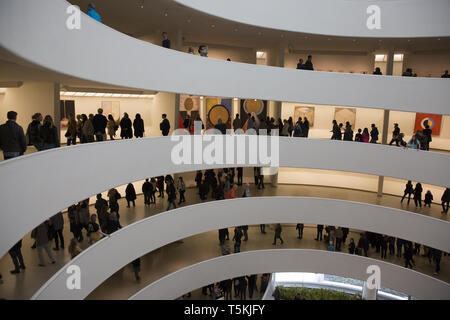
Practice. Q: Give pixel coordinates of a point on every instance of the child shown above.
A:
(358, 136)
(428, 198)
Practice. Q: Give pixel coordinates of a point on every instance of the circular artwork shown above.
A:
(256, 106)
(428, 121)
(188, 104)
(218, 112)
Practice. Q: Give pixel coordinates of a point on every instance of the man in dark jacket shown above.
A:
(99, 124)
(12, 139)
(308, 64)
(237, 123)
(319, 232)
(374, 134)
(395, 135)
(147, 191)
(160, 185)
(164, 126)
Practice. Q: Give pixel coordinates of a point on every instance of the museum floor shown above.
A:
(198, 248)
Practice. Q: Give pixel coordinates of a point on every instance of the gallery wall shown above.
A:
(324, 115)
(236, 54)
(428, 64)
(30, 98)
(354, 63)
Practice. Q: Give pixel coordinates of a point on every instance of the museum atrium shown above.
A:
(365, 64)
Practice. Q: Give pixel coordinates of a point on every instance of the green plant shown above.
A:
(289, 293)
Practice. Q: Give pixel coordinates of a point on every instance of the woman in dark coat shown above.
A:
(130, 195)
(138, 125)
(48, 134)
(126, 132)
(418, 194)
(408, 191)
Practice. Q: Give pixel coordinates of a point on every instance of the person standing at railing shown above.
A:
(164, 126)
(445, 75)
(374, 133)
(445, 199)
(305, 127)
(100, 122)
(33, 136)
(166, 41)
(348, 132)
(126, 130)
(92, 13)
(12, 139)
(308, 64)
(138, 126)
(49, 134)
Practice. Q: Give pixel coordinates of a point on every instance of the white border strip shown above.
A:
(395, 277)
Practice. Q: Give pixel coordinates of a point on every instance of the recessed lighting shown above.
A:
(329, 39)
(189, 21)
(354, 40)
(236, 30)
(282, 35)
(409, 40)
(259, 33)
(213, 26)
(306, 37)
(439, 39)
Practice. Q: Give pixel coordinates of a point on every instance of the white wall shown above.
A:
(32, 97)
(428, 65)
(351, 180)
(162, 103)
(236, 54)
(334, 62)
(324, 115)
(132, 106)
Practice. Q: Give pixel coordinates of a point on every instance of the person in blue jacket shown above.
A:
(92, 13)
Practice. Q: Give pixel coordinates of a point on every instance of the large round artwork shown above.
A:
(218, 112)
(188, 104)
(256, 106)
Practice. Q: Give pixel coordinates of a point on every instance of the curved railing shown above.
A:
(336, 17)
(53, 180)
(149, 234)
(127, 62)
(346, 265)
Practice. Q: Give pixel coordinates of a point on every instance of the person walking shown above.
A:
(171, 195)
(160, 185)
(138, 125)
(237, 239)
(351, 246)
(277, 235)
(348, 132)
(300, 227)
(384, 245)
(136, 269)
(130, 195)
(418, 194)
(252, 279)
(75, 227)
(437, 256)
(16, 256)
(409, 261)
(164, 126)
(395, 135)
(408, 191)
(74, 249)
(12, 139)
(308, 64)
(181, 190)
(41, 235)
(100, 122)
(126, 130)
(319, 232)
(57, 223)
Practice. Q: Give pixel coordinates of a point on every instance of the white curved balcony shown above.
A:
(98, 53)
(176, 284)
(75, 173)
(144, 236)
(346, 18)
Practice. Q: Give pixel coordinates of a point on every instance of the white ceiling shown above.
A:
(156, 16)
